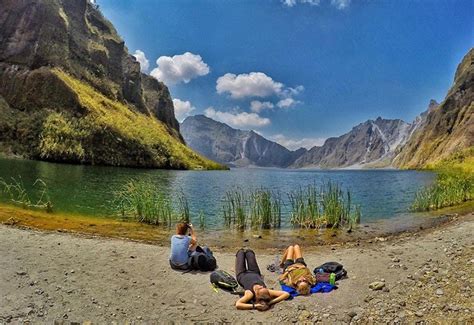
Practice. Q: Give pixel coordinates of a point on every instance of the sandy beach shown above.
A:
(52, 277)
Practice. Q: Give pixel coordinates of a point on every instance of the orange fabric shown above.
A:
(295, 273)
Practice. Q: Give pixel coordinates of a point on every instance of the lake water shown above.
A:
(89, 190)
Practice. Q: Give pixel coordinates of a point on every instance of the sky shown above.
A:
(298, 71)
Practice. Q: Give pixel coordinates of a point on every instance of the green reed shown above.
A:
(202, 220)
(265, 209)
(260, 208)
(183, 208)
(17, 194)
(450, 188)
(325, 206)
(235, 209)
(143, 202)
(305, 207)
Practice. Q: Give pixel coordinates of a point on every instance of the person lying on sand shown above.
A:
(256, 295)
(295, 272)
(182, 246)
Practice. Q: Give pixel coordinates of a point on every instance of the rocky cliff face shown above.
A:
(220, 142)
(369, 144)
(60, 57)
(446, 128)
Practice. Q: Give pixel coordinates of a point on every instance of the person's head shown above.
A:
(182, 228)
(262, 297)
(303, 288)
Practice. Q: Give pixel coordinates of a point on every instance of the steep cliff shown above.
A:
(447, 128)
(220, 142)
(369, 144)
(66, 74)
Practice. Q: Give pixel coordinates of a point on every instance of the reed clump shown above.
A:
(327, 206)
(450, 188)
(18, 195)
(260, 208)
(143, 202)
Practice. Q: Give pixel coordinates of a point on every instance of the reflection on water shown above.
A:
(89, 189)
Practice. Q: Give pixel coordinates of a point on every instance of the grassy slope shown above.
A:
(462, 161)
(147, 131)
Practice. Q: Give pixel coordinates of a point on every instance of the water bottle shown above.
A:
(332, 279)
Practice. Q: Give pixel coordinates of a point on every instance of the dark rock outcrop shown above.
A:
(220, 142)
(59, 57)
(446, 128)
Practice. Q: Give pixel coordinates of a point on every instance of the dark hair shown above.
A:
(181, 228)
(263, 298)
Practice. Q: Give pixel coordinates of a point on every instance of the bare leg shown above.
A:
(285, 256)
(290, 254)
(297, 252)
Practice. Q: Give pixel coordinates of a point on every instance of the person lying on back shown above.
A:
(182, 246)
(256, 295)
(295, 272)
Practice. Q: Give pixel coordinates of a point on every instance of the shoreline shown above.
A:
(226, 240)
(58, 277)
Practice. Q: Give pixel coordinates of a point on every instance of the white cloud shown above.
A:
(179, 68)
(253, 84)
(258, 106)
(238, 119)
(290, 92)
(294, 144)
(291, 3)
(182, 109)
(339, 4)
(287, 102)
(141, 58)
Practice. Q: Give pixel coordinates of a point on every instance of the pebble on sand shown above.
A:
(377, 285)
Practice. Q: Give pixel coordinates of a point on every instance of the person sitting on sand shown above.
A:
(182, 246)
(295, 272)
(256, 295)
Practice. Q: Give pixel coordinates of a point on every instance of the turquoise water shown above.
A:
(89, 190)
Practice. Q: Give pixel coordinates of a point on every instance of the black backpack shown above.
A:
(225, 281)
(332, 267)
(203, 260)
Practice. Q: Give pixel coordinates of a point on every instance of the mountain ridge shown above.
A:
(233, 147)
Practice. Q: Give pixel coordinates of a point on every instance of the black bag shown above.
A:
(331, 267)
(203, 260)
(224, 280)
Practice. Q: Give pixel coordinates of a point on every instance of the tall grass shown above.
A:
(183, 208)
(143, 202)
(265, 209)
(310, 207)
(235, 209)
(17, 194)
(260, 208)
(451, 187)
(326, 206)
(305, 207)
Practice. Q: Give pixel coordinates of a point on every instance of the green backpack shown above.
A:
(225, 281)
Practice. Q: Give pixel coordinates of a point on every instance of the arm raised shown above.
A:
(242, 303)
(278, 296)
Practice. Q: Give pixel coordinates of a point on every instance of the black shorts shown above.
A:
(291, 262)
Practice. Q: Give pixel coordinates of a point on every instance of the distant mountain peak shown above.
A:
(234, 147)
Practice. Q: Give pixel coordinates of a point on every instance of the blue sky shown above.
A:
(298, 71)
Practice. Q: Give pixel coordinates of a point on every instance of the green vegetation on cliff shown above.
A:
(134, 136)
(449, 128)
(454, 183)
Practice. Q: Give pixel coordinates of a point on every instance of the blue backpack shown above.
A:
(203, 259)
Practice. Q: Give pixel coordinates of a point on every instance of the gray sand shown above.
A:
(47, 277)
